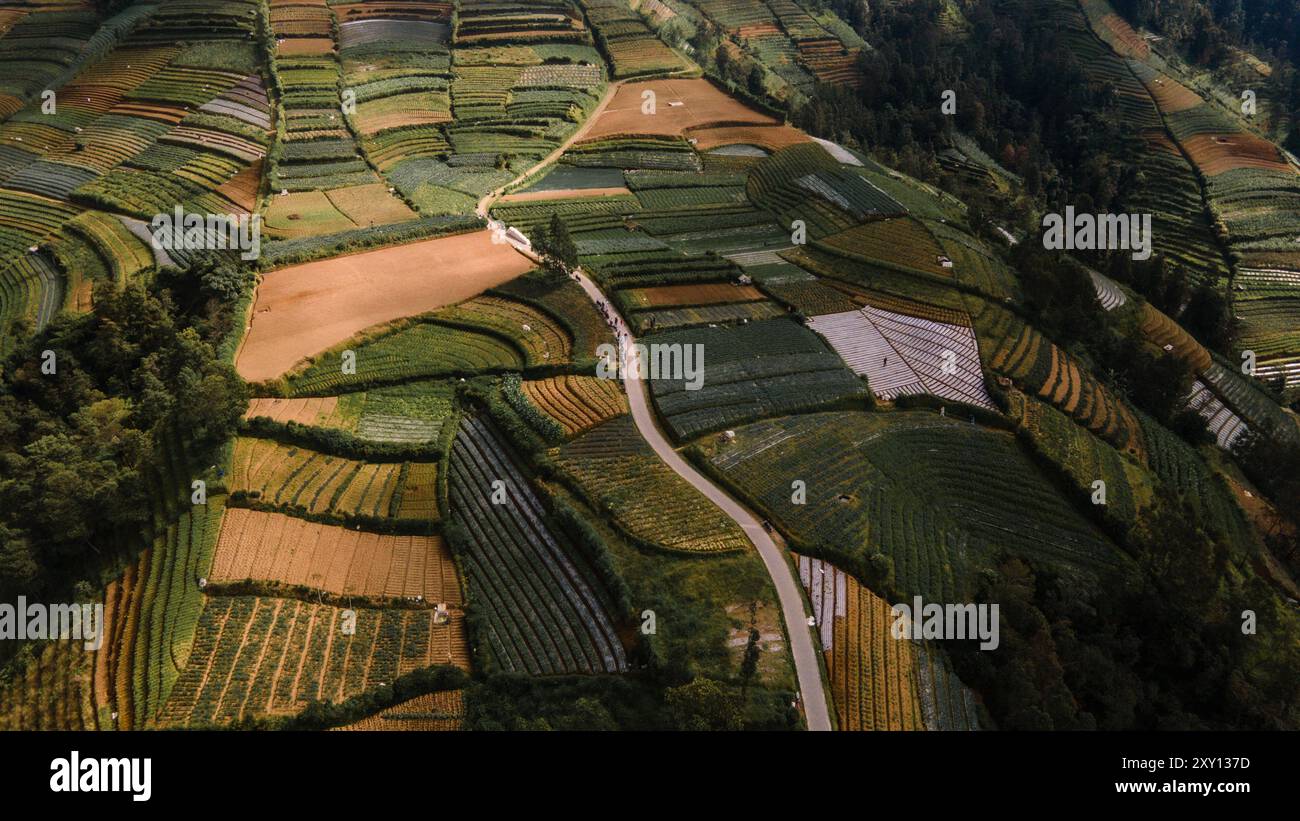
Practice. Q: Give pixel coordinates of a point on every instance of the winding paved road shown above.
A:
(806, 663)
(812, 694)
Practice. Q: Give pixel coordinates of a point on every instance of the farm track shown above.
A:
(485, 202)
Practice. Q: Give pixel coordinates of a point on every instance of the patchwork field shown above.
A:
(300, 479)
(304, 309)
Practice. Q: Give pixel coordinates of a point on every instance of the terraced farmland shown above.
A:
(299, 479)
(1010, 347)
(272, 547)
(578, 403)
(743, 373)
(879, 682)
(433, 712)
(613, 467)
(258, 656)
(544, 612)
(935, 495)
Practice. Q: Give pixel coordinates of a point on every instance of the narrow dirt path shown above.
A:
(485, 202)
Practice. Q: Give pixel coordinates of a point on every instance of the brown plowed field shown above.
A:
(700, 101)
(274, 547)
(304, 309)
(1216, 153)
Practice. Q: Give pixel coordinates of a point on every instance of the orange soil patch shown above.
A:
(278, 548)
(311, 411)
(756, 30)
(370, 205)
(242, 188)
(564, 193)
(667, 296)
(304, 309)
(10, 16)
(1216, 153)
(771, 137)
(432, 712)
(305, 47)
(82, 298)
(1128, 41)
(9, 104)
(1172, 96)
(679, 105)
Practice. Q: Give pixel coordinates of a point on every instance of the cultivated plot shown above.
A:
(304, 309)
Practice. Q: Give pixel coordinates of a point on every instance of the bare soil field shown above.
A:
(305, 47)
(771, 137)
(317, 411)
(279, 548)
(1172, 96)
(241, 189)
(667, 296)
(1129, 42)
(304, 309)
(1216, 153)
(680, 105)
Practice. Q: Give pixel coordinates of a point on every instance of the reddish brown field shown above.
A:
(701, 104)
(1130, 43)
(771, 137)
(241, 189)
(312, 411)
(1216, 153)
(305, 47)
(1172, 96)
(667, 296)
(278, 548)
(304, 309)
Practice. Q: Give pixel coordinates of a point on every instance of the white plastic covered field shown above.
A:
(903, 355)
